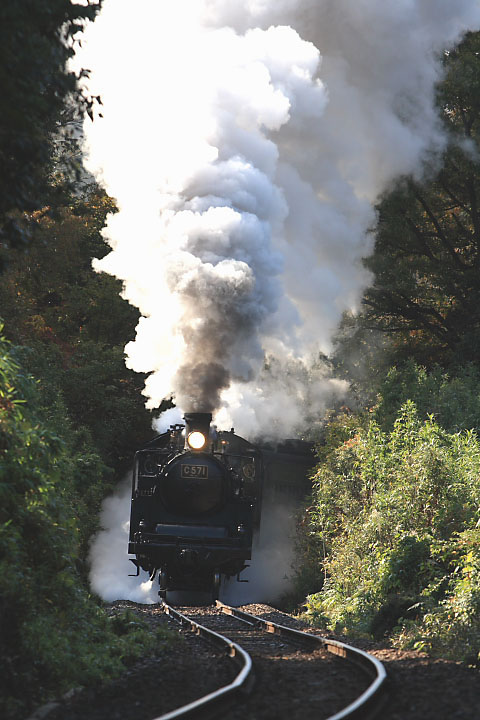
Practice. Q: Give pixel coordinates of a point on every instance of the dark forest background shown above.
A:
(389, 542)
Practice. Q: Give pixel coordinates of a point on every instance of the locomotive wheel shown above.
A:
(216, 585)
(162, 581)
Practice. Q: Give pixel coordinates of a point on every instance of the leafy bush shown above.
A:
(52, 634)
(453, 400)
(450, 625)
(391, 508)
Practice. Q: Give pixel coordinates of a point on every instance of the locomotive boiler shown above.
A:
(196, 497)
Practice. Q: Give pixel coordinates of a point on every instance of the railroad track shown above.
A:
(242, 636)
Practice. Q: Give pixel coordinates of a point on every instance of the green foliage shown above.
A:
(451, 606)
(390, 508)
(454, 400)
(72, 325)
(36, 40)
(52, 634)
(311, 537)
(76, 325)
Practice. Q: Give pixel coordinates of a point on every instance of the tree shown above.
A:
(36, 40)
(426, 291)
(74, 325)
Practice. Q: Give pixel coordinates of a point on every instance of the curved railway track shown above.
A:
(226, 627)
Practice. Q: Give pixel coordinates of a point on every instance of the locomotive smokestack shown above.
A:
(197, 430)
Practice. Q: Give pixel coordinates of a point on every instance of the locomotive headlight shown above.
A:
(196, 440)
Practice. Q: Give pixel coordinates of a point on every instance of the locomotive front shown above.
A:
(195, 503)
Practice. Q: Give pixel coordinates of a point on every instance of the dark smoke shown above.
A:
(203, 383)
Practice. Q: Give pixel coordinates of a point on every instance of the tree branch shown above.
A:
(440, 234)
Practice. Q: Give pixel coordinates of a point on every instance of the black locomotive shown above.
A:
(195, 506)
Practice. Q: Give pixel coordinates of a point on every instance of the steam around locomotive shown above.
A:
(195, 506)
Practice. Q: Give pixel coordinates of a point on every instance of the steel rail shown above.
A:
(366, 704)
(225, 695)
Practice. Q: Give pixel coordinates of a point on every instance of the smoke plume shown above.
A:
(111, 572)
(245, 144)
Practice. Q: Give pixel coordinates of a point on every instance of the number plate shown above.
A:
(194, 471)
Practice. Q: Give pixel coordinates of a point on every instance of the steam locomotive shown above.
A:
(196, 498)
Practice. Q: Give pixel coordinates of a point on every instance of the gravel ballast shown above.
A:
(420, 688)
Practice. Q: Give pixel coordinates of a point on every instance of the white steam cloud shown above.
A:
(110, 567)
(245, 144)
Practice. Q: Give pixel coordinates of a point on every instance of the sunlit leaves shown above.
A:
(398, 514)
